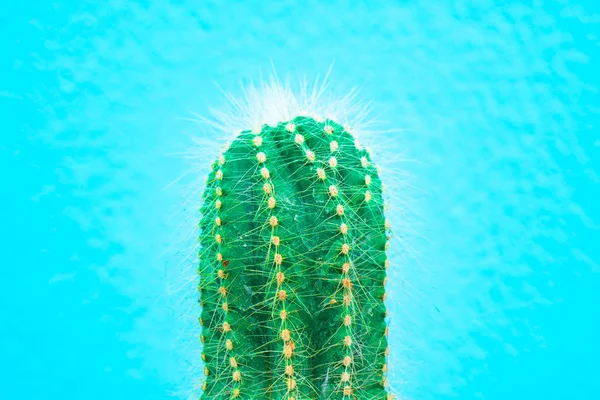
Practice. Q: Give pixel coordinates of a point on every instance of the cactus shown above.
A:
(293, 263)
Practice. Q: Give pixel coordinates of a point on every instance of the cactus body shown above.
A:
(292, 267)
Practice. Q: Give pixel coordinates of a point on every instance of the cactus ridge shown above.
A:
(293, 262)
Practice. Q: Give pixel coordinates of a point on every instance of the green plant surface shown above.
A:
(293, 262)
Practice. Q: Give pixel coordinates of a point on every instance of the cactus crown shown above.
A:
(292, 268)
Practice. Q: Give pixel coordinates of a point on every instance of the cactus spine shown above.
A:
(292, 267)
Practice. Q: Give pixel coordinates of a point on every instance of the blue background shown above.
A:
(499, 111)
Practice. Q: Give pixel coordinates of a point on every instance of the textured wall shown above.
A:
(500, 114)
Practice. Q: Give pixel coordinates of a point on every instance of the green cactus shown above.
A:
(293, 263)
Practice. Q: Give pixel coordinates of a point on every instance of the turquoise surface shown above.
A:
(499, 114)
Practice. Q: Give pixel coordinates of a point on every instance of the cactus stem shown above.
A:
(294, 238)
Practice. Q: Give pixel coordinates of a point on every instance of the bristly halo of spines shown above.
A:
(270, 103)
(292, 267)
